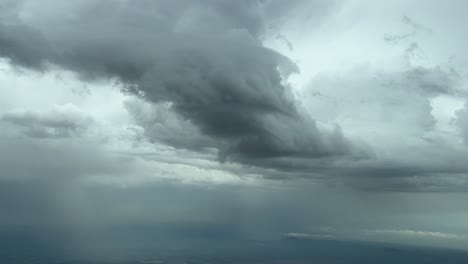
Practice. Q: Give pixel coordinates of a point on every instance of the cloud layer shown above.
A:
(218, 76)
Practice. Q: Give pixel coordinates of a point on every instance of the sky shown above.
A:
(343, 120)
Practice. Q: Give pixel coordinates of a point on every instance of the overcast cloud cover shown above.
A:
(249, 119)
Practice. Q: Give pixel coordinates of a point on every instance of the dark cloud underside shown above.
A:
(206, 60)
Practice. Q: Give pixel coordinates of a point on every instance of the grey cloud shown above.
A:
(430, 80)
(221, 78)
(59, 122)
(10, 9)
(161, 123)
(378, 97)
(462, 122)
(279, 13)
(15, 44)
(415, 27)
(434, 81)
(392, 110)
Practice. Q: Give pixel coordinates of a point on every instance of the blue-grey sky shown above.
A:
(341, 120)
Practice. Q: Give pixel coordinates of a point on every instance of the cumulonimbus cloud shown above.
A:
(206, 60)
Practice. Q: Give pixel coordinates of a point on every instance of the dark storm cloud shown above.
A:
(204, 58)
(15, 44)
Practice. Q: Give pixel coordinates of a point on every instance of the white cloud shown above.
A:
(308, 236)
(417, 234)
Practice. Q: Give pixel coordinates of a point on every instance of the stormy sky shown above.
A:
(252, 119)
